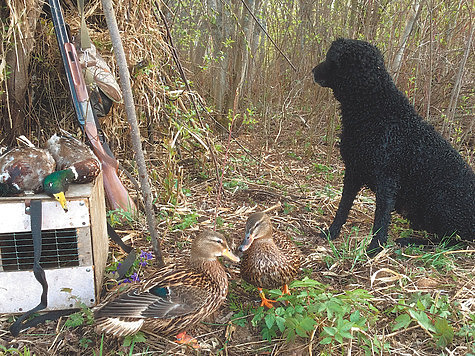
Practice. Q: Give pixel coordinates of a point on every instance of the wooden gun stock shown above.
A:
(116, 193)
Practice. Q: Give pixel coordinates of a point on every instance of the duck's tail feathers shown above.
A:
(25, 141)
(119, 327)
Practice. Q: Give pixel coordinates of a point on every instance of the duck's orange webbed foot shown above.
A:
(285, 289)
(265, 302)
(185, 339)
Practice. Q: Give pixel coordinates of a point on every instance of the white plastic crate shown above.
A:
(74, 250)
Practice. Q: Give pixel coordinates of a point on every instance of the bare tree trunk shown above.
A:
(220, 32)
(448, 124)
(256, 35)
(23, 17)
(134, 128)
(396, 64)
(242, 56)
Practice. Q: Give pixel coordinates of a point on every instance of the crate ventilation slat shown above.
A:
(59, 248)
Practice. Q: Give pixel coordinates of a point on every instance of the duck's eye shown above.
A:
(50, 184)
(219, 241)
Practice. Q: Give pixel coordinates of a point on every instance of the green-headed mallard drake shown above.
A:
(179, 295)
(270, 259)
(75, 163)
(23, 169)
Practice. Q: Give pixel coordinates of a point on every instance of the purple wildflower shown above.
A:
(126, 280)
(144, 257)
(117, 269)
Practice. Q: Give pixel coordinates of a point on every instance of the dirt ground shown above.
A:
(295, 177)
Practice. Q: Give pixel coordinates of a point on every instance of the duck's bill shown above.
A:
(62, 200)
(246, 243)
(228, 254)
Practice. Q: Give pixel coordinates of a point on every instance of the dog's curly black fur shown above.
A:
(386, 146)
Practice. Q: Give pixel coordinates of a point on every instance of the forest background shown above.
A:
(252, 129)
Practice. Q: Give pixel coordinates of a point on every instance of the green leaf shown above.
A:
(401, 322)
(279, 311)
(308, 323)
(420, 305)
(280, 323)
(330, 330)
(133, 339)
(422, 319)
(344, 325)
(139, 337)
(270, 320)
(326, 341)
(291, 322)
(305, 283)
(444, 332)
(74, 320)
(127, 340)
(257, 316)
(267, 334)
(290, 334)
(333, 308)
(339, 338)
(346, 334)
(355, 316)
(301, 331)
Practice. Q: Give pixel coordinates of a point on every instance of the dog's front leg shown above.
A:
(351, 187)
(386, 190)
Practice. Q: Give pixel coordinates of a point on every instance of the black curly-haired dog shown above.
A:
(386, 146)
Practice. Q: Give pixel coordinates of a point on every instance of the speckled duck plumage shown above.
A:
(178, 296)
(270, 258)
(23, 169)
(71, 153)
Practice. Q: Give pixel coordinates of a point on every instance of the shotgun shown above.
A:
(117, 194)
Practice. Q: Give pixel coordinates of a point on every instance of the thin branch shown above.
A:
(134, 129)
(458, 84)
(411, 20)
(183, 76)
(268, 36)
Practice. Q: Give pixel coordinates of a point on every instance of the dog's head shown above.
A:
(352, 67)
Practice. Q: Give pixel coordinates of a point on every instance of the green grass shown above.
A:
(348, 248)
(437, 256)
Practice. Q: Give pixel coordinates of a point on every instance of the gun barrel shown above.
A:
(76, 74)
(62, 37)
(116, 193)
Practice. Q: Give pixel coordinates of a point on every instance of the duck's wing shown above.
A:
(287, 247)
(170, 295)
(25, 168)
(68, 150)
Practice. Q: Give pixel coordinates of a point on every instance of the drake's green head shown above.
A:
(57, 183)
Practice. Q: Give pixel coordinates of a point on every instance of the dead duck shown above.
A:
(23, 169)
(270, 258)
(178, 296)
(75, 163)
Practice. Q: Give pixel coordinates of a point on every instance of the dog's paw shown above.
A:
(373, 248)
(327, 234)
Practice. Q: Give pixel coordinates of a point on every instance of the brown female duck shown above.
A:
(179, 295)
(270, 259)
